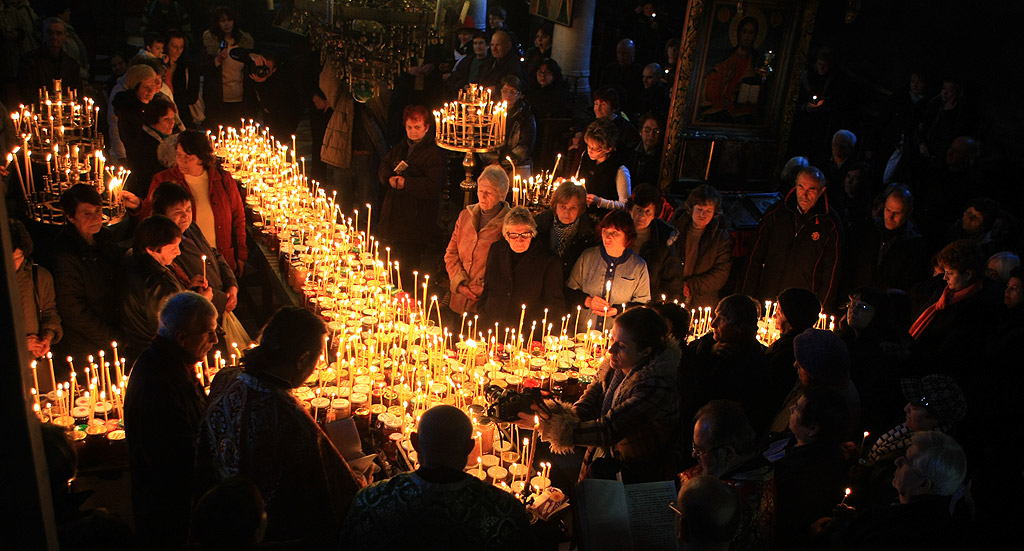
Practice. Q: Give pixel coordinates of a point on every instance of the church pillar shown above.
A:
(570, 47)
(478, 11)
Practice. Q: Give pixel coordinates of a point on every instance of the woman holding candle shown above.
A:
(412, 174)
(520, 270)
(149, 280)
(608, 184)
(216, 203)
(197, 257)
(610, 274)
(629, 417)
(478, 227)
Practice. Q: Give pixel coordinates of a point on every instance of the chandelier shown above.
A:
(370, 43)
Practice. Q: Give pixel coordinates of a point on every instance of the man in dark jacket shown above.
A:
(895, 255)
(798, 244)
(504, 62)
(39, 68)
(163, 407)
(85, 262)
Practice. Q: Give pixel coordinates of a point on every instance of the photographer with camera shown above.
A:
(629, 416)
(228, 95)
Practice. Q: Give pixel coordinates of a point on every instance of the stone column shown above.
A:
(478, 11)
(570, 47)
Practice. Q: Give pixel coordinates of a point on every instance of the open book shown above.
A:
(616, 517)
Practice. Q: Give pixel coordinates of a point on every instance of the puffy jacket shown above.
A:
(466, 256)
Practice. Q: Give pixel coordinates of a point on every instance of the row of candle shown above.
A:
(537, 189)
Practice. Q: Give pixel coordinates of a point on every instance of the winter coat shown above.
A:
(795, 250)
(410, 214)
(640, 427)
(465, 259)
(228, 210)
(146, 285)
(86, 281)
(714, 259)
(336, 150)
(535, 280)
(213, 85)
(663, 265)
(185, 84)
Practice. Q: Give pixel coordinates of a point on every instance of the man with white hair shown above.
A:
(163, 407)
(929, 515)
(439, 505)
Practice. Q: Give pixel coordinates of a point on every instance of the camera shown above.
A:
(260, 71)
(506, 404)
(223, 44)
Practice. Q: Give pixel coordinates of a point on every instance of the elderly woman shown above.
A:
(946, 332)
(565, 228)
(149, 281)
(412, 174)
(216, 203)
(607, 179)
(654, 239)
(628, 418)
(610, 274)
(521, 271)
(478, 227)
(703, 245)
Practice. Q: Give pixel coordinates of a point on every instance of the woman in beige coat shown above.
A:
(477, 228)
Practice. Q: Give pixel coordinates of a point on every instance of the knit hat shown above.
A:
(136, 74)
(939, 394)
(800, 306)
(823, 355)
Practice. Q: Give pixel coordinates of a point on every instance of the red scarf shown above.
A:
(949, 297)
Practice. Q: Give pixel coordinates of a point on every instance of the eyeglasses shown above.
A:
(546, 73)
(858, 306)
(697, 452)
(646, 130)
(517, 236)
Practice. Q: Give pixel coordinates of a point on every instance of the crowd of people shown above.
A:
(894, 230)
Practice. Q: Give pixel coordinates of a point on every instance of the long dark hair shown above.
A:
(646, 326)
(221, 11)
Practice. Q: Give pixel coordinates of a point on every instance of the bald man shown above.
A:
(505, 61)
(709, 514)
(439, 505)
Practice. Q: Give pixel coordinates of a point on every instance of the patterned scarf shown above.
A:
(563, 234)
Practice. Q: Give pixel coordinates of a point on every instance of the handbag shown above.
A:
(234, 332)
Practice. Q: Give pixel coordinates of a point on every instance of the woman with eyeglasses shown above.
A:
(521, 271)
(610, 275)
(876, 347)
(548, 92)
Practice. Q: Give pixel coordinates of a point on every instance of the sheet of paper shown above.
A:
(651, 520)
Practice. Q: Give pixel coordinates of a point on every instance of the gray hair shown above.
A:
(495, 176)
(845, 137)
(519, 216)
(1005, 262)
(941, 460)
(181, 311)
(567, 191)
